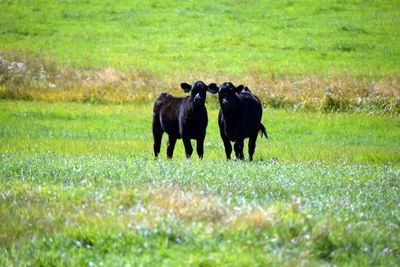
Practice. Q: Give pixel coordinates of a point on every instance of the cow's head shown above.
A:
(197, 91)
(227, 94)
(241, 88)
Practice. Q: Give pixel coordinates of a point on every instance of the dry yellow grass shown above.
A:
(192, 206)
(31, 78)
(188, 205)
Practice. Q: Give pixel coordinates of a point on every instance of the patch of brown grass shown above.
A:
(188, 205)
(191, 206)
(259, 218)
(29, 211)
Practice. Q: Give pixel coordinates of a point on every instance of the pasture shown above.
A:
(350, 38)
(330, 56)
(80, 186)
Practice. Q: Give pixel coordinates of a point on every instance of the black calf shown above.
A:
(181, 117)
(239, 118)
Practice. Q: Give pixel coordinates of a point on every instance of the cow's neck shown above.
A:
(230, 116)
(194, 107)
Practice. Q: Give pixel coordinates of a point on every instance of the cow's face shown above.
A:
(197, 91)
(227, 95)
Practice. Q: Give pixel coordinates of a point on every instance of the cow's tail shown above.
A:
(263, 130)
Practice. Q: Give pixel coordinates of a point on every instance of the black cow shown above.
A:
(239, 118)
(181, 117)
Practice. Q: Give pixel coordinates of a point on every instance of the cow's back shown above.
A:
(251, 111)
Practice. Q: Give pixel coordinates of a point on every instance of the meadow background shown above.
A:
(333, 56)
(78, 181)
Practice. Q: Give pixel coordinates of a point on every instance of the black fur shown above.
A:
(181, 117)
(239, 118)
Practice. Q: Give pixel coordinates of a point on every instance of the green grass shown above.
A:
(82, 129)
(79, 186)
(78, 181)
(356, 38)
(76, 209)
(331, 56)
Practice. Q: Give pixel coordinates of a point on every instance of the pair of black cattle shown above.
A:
(186, 118)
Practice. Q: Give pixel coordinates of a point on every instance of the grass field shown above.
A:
(80, 186)
(332, 56)
(86, 129)
(280, 37)
(78, 181)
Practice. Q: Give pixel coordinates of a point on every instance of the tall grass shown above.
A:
(23, 76)
(113, 210)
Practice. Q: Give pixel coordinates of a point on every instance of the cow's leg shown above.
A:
(228, 147)
(170, 146)
(200, 147)
(227, 143)
(188, 146)
(157, 136)
(239, 149)
(252, 146)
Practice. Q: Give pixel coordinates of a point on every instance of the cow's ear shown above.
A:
(212, 88)
(247, 89)
(239, 89)
(186, 87)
